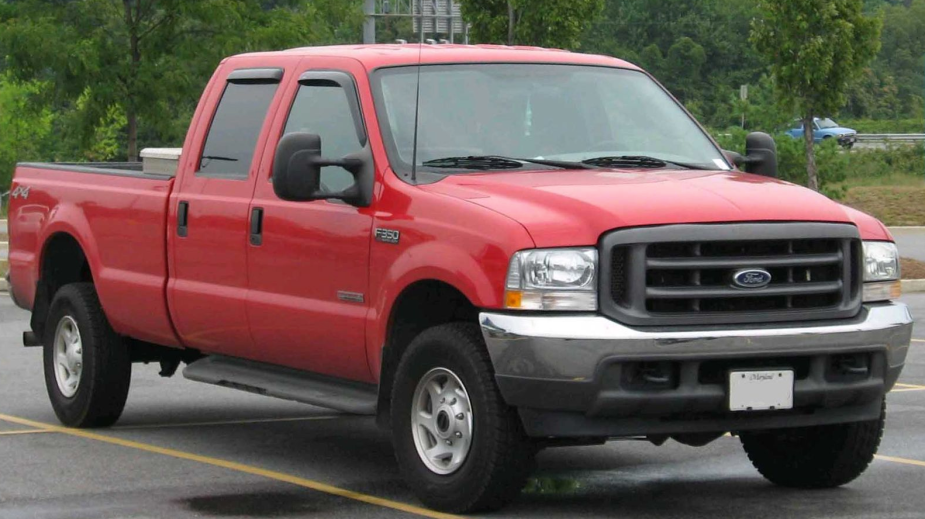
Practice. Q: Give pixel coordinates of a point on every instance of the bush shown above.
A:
(875, 166)
(839, 168)
(884, 125)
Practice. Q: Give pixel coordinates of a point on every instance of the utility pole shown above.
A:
(369, 26)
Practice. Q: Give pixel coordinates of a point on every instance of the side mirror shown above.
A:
(297, 170)
(760, 154)
(734, 157)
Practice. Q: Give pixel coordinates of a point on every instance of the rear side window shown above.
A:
(323, 108)
(229, 147)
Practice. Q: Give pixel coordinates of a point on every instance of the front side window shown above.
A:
(229, 147)
(323, 108)
(535, 111)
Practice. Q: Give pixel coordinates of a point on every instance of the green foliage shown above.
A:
(121, 71)
(546, 23)
(838, 168)
(791, 160)
(644, 31)
(884, 125)
(816, 49)
(698, 49)
(25, 126)
(900, 62)
(884, 166)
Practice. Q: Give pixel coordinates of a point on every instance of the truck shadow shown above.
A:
(628, 479)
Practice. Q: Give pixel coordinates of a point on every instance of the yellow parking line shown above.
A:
(909, 389)
(231, 465)
(226, 422)
(27, 431)
(916, 386)
(904, 461)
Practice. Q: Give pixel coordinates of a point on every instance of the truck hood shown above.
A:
(574, 207)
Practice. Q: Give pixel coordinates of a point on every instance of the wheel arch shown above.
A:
(420, 305)
(62, 261)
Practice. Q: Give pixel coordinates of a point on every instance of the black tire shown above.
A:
(106, 368)
(500, 456)
(825, 456)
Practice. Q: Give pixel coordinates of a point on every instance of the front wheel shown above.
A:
(824, 456)
(459, 446)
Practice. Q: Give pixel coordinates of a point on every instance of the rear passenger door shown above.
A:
(208, 285)
(308, 272)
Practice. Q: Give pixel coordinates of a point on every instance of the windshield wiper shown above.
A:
(488, 162)
(636, 161)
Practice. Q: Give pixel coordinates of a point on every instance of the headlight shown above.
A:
(881, 271)
(552, 279)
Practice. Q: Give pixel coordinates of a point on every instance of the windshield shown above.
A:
(535, 111)
(827, 123)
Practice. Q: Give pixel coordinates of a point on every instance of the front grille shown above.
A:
(684, 274)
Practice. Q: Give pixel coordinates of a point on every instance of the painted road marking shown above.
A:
(231, 465)
(916, 386)
(907, 387)
(225, 422)
(904, 461)
(918, 340)
(26, 431)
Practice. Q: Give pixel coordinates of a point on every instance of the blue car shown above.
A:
(826, 128)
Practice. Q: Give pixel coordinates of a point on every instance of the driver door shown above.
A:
(308, 275)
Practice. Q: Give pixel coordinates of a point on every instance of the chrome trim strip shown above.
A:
(572, 346)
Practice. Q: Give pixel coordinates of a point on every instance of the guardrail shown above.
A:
(899, 138)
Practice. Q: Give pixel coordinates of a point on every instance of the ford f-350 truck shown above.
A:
(493, 250)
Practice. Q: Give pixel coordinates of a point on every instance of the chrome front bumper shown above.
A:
(571, 365)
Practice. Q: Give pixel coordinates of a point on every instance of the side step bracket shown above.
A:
(289, 384)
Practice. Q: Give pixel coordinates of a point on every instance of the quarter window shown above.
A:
(229, 147)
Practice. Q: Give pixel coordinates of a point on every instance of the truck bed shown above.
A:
(118, 215)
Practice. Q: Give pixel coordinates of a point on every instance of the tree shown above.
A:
(816, 49)
(715, 32)
(547, 23)
(148, 60)
(25, 128)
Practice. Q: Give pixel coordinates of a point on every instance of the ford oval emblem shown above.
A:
(751, 278)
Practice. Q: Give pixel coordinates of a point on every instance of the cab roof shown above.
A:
(384, 55)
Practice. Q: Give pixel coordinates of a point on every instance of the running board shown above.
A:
(289, 384)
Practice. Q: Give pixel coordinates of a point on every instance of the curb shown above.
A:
(3, 287)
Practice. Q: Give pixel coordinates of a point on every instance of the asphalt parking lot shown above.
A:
(184, 449)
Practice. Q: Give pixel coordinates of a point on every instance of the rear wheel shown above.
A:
(824, 456)
(87, 367)
(459, 446)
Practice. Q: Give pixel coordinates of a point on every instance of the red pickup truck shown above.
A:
(491, 249)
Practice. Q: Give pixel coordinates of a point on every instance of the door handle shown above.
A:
(257, 226)
(182, 219)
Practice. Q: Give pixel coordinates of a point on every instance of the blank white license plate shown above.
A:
(760, 390)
